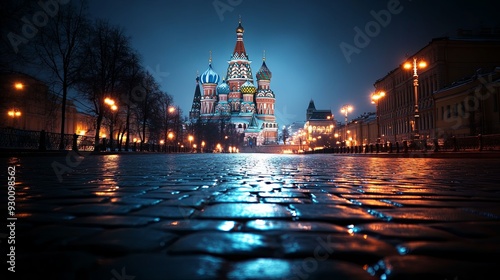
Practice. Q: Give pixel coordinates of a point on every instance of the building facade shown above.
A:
(448, 60)
(469, 107)
(28, 104)
(319, 127)
(235, 99)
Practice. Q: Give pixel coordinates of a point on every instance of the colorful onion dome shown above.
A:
(248, 88)
(223, 88)
(264, 73)
(209, 76)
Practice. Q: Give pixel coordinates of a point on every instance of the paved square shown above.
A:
(254, 216)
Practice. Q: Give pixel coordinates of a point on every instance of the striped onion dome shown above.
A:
(223, 88)
(209, 76)
(264, 73)
(248, 88)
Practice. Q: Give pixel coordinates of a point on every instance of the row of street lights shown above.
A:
(376, 96)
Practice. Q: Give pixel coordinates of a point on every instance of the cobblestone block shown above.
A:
(401, 231)
(355, 248)
(102, 208)
(168, 212)
(158, 266)
(480, 229)
(234, 244)
(125, 240)
(190, 225)
(114, 221)
(245, 211)
(408, 214)
(477, 250)
(288, 226)
(332, 213)
(308, 268)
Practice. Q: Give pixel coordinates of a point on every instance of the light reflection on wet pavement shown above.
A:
(256, 216)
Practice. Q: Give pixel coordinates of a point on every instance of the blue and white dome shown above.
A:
(209, 76)
(223, 88)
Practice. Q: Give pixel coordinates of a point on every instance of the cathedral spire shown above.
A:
(239, 49)
(194, 113)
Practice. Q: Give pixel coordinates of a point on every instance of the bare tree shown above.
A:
(163, 114)
(131, 93)
(145, 110)
(285, 133)
(60, 49)
(108, 54)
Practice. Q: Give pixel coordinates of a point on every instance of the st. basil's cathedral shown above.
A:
(236, 99)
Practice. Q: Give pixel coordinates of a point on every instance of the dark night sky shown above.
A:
(301, 38)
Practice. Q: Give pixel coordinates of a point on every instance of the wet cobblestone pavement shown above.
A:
(253, 216)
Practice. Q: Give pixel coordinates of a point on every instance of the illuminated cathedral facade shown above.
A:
(235, 99)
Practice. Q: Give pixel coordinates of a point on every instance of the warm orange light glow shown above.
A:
(170, 135)
(346, 109)
(19, 86)
(14, 113)
(171, 109)
(414, 65)
(377, 96)
(162, 142)
(114, 107)
(109, 101)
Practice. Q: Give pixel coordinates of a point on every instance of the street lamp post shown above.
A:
(170, 136)
(170, 111)
(415, 66)
(375, 100)
(346, 109)
(113, 108)
(190, 139)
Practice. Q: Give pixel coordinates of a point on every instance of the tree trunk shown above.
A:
(127, 128)
(97, 132)
(63, 114)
